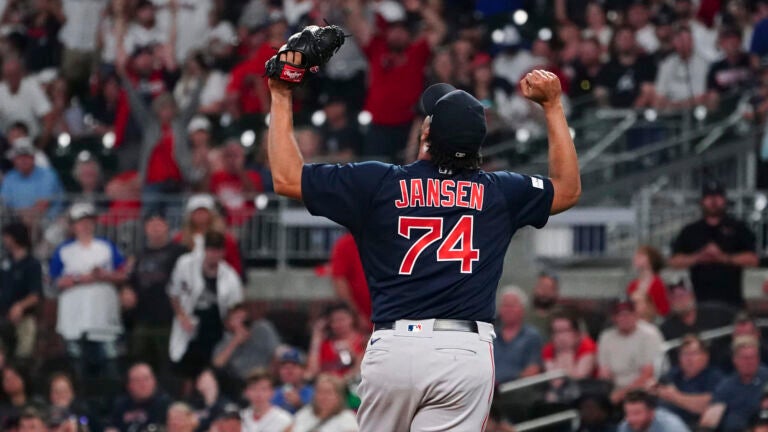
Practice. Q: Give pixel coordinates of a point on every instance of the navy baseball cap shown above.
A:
(712, 187)
(458, 119)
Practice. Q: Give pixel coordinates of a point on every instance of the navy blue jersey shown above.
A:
(432, 245)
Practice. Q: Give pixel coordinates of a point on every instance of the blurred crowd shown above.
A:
(115, 111)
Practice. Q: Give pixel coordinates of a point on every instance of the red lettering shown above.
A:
(461, 193)
(433, 193)
(417, 193)
(449, 197)
(403, 201)
(476, 197)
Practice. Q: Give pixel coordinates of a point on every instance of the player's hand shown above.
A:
(542, 87)
(280, 87)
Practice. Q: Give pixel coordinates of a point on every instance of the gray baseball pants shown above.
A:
(415, 379)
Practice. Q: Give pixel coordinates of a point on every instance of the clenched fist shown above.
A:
(542, 87)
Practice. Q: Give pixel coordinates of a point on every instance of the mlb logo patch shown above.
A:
(414, 327)
(537, 183)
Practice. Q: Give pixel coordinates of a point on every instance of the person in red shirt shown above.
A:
(247, 83)
(234, 185)
(397, 65)
(647, 291)
(569, 350)
(349, 278)
(337, 345)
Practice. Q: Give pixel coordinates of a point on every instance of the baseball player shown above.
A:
(432, 237)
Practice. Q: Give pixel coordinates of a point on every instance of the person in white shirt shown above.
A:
(261, 415)
(638, 17)
(681, 81)
(192, 22)
(627, 351)
(21, 98)
(78, 35)
(86, 270)
(328, 411)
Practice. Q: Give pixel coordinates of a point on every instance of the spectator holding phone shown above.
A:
(337, 345)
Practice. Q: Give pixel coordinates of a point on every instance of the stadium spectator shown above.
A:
(248, 344)
(517, 347)
(340, 135)
(197, 69)
(32, 420)
(208, 402)
(586, 69)
(513, 61)
(22, 99)
(546, 296)
(164, 154)
(715, 249)
(235, 186)
(759, 47)
(101, 107)
(85, 271)
(595, 414)
(78, 36)
(570, 351)
(681, 81)
(639, 19)
(737, 398)
(647, 291)
(730, 75)
(43, 49)
(597, 26)
(689, 317)
(627, 351)
(200, 218)
(664, 22)
(349, 280)
(33, 192)
(687, 390)
(87, 174)
(626, 81)
(337, 345)
(18, 134)
(203, 289)
(16, 392)
(261, 415)
(191, 21)
(229, 420)
(641, 414)
(397, 61)
(144, 295)
(63, 402)
(21, 288)
(143, 30)
(247, 87)
(181, 418)
(65, 118)
(743, 325)
(293, 392)
(145, 405)
(200, 142)
(328, 411)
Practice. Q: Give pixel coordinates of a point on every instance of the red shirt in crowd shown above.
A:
(586, 346)
(332, 352)
(657, 292)
(228, 188)
(345, 264)
(162, 164)
(248, 74)
(396, 80)
(153, 85)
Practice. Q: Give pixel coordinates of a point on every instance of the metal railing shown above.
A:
(569, 416)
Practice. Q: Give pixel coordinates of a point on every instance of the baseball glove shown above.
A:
(316, 44)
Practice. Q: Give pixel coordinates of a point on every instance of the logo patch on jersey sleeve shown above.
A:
(414, 327)
(537, 183)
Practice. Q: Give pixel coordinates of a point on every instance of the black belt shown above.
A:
(440, 325)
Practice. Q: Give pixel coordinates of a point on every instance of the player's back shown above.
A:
(432, 244)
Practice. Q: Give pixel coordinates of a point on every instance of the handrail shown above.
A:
(608, 140)
(533, 380)
(571, 415)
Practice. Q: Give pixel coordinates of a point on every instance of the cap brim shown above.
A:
(433, 94)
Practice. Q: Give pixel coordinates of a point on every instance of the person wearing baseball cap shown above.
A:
(28, 187)
(715, 250)
(293, 392)
(631, 341)
(687, 316)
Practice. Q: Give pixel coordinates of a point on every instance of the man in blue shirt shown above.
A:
(28, 189)
(293, 392)
(517, 347)
(687, 389)
(642, 415)
(432, 237)
(737, 398)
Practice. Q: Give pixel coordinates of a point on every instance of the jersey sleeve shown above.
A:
(529, 199)
(342, 193)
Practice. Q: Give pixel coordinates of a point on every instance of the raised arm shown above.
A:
(284, 156)
(544, 88)
(357, 23)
